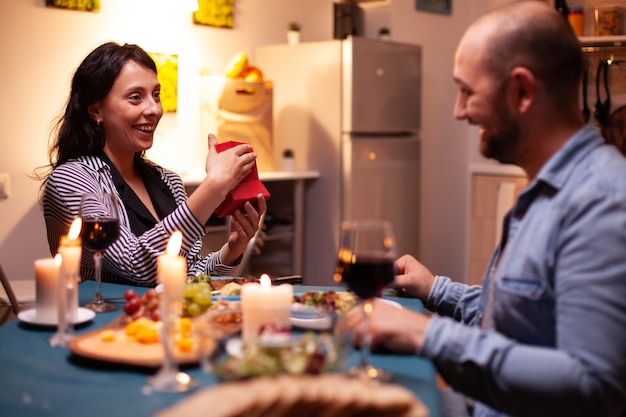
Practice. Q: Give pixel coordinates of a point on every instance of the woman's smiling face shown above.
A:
(132, 109)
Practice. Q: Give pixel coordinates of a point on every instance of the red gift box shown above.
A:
(246, 190)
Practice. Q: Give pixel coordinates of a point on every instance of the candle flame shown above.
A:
(265, 281)
(58, 259)
(77, 224)
(175, 242)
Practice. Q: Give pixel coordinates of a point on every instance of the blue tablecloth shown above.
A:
(38, 380)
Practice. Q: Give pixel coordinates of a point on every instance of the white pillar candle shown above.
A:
(70, 250)
(46, 288)
(263, 304)
(172, 273)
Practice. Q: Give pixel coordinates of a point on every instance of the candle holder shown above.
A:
(169, 378)
(67, 309)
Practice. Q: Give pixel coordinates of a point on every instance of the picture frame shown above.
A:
(215, 13)
(82, 5)
(434, 6)
(167, 73)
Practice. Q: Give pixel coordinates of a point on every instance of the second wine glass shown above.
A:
(101, 227)
(366, 256)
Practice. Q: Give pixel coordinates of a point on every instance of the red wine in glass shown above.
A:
(365, 266)
(100, 234)
(101, 227)
(368, 275)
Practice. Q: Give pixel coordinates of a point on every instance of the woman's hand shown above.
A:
(226, 169)
(242, 228)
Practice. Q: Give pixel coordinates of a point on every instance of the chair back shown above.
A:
(243, 265)
(6, 284)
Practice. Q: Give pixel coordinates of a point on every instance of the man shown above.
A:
(546, 333)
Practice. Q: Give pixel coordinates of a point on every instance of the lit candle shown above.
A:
(46, 288)
(263, 304)
(172, 272)
(70, 250)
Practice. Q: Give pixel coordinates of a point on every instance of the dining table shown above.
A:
(39, 380)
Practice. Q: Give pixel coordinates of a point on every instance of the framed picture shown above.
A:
(217, 13)
(434, 6)
(85, 5)
(167, 73)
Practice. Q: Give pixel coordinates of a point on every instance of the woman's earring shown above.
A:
(98, 122)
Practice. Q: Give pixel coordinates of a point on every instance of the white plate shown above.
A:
(391, 302)
(30, 316)
(324, 323)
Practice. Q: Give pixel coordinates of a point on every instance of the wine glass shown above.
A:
(366, 265)
(101, 227)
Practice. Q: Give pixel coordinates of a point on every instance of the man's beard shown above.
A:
(503, 143)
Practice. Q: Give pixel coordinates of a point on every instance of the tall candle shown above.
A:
(172, 273)
(70, 250)
(263, 304)
(46, 288)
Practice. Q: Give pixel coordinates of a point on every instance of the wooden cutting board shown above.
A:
(123, 349)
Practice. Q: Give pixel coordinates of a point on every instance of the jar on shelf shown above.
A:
(576, 18)
(608, 21)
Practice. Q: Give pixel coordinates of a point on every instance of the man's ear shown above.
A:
(523, 88)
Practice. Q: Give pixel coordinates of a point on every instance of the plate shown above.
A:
(323, 323)
(30, 316)
(319, 321)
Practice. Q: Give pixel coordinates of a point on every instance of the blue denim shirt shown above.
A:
(556, 341)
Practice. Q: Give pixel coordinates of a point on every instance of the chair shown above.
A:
(14, 304)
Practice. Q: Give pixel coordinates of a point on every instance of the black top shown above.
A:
(139, 216)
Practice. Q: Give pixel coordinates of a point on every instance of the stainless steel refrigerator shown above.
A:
(349, 109)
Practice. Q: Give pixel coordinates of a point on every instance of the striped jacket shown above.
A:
(130, 259)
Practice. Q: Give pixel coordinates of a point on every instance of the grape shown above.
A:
(155, 315)
(193, 309)
(132, 306)
(130, 294)
(191, 289)
(203, 298)
(197, 298)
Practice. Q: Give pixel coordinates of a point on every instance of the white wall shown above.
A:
(40, 48)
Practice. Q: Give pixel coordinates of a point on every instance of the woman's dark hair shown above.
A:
(76, 133)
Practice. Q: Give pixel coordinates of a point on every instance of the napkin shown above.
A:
(327, 395)
(246, 190)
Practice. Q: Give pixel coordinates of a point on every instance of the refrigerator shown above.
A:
(349, 109)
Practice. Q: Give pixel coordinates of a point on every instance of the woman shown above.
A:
(99, 145)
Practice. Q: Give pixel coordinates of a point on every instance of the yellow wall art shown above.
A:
(85, 5)
(167, 72)
(218, 13)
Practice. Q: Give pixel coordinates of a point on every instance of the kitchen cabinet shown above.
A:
(493, 193)
(281, 246)
(605, 90)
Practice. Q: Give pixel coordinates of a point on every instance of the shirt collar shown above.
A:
(559, 167)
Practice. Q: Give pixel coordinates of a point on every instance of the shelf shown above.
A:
(193, 179)
(602, 41)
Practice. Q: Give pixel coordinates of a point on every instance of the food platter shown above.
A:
(122, 349)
